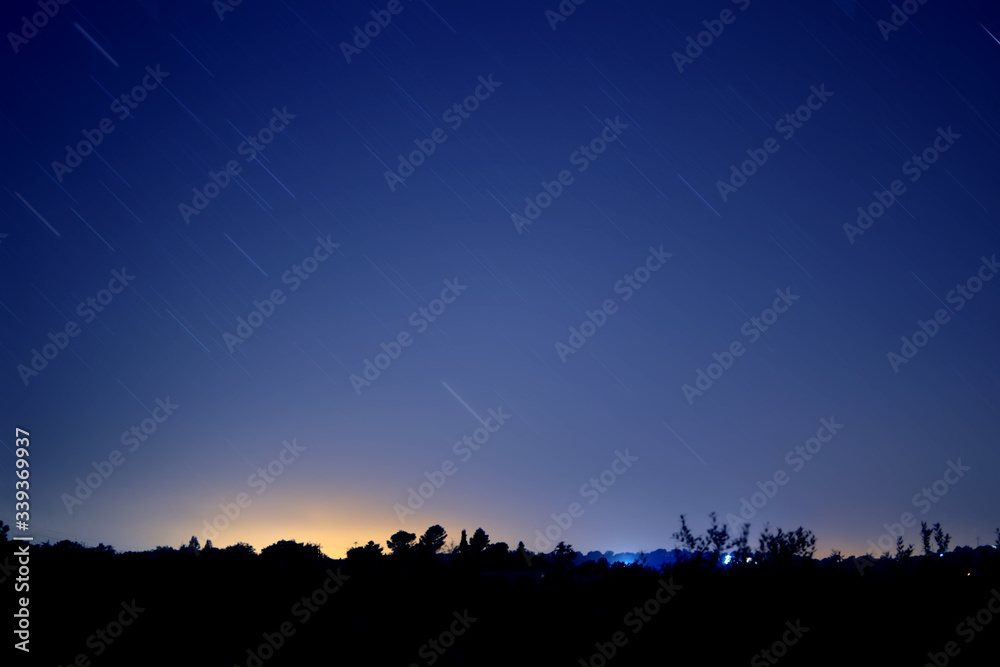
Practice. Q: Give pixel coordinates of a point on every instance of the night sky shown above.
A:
(493, 265)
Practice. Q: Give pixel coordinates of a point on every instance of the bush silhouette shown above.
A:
(782, 549)
(291, 552)
(365, 556)
(716, 542)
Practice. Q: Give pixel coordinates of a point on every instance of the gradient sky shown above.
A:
(164, 335)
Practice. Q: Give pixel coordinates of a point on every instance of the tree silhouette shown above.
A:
(366, 555)
(740, 545)
(941, 539)
(463, 545)
(401, 542)
(523, 554)
(716, 541)
(290, 551)
(240, 550)
(688, 540)
(480, 540)
(68, 546)
(901, 553)
(103, 548)
(4, 529)
(563, 555)
(497, 549)
(925, 538)
(718, 535)
(432, 540)
(783, 548)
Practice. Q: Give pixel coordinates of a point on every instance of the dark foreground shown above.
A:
(224, 608)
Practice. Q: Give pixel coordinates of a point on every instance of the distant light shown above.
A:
(726, 559)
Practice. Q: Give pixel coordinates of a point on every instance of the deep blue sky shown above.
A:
(516, 289)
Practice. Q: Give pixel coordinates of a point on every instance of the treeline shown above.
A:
(431, 600)
(717, 547)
